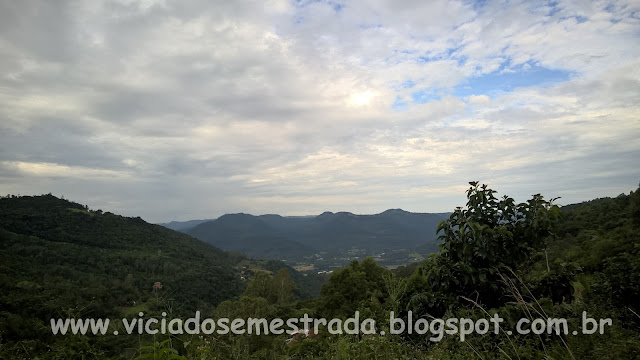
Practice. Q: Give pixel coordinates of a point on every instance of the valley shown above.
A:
(325, 242)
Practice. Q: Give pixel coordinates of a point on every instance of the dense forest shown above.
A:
(60, 259)
(520, 260)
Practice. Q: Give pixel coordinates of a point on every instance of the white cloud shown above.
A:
(478, 99)
(62, 171)
(201, 108)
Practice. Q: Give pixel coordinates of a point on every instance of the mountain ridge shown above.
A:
(292, 238)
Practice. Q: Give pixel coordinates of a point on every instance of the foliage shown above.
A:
(524, 260)
(489, 238)
(359, 286)
(60, 259)
(277, 289)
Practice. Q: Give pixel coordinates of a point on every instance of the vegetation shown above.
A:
(60, 259)
(526, 260)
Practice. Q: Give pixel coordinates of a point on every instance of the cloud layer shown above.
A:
(192, 109)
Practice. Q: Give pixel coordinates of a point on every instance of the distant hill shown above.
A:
(183, 225)
(279, 237)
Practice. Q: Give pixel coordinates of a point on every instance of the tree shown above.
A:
(260, 286)
(283, 287)
(487, 240)
(359, 286)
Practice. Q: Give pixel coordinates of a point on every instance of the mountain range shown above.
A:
(292, 238)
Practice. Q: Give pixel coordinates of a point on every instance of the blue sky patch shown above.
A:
(408, 84)
(501, 81)
(334, 4)
(450, 54)
(399, 105)
(424, 96)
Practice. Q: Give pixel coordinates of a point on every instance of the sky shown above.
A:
(177, 110)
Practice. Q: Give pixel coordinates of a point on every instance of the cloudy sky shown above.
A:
(192, 109)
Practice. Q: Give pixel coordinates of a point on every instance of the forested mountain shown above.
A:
(279, 237)
(250, 235)
(105, 254)
(59, 259)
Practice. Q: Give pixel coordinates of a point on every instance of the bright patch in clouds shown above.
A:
(176, 110)
(361, 99)
(61, 171)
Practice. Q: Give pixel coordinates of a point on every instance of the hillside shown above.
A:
(598, 241)
(57, 258)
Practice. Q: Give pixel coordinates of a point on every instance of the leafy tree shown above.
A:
(487, 240)
(277, 289)
(260, 286)
(357, 287)
(283, 287)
